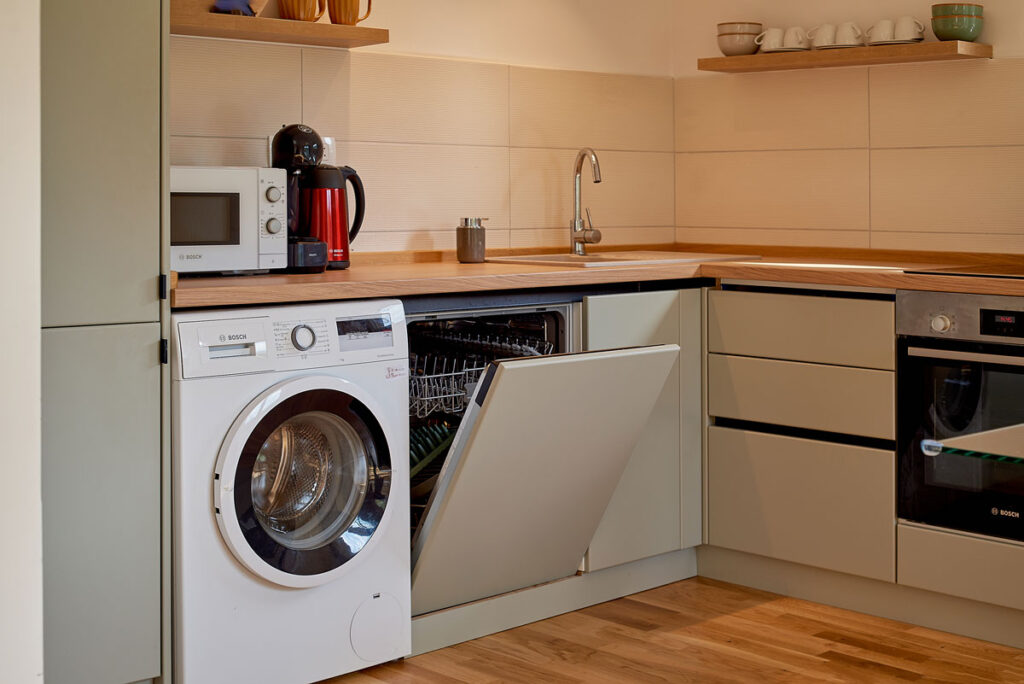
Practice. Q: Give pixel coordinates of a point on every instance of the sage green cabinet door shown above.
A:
(642, 518)
(101, 503)
(100, 161)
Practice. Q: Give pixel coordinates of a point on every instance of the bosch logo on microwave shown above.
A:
(1003, 513)
(189, 257)
(238, 337)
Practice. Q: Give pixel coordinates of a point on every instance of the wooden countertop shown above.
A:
(852, 268)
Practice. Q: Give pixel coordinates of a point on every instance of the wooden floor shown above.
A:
(701, 630)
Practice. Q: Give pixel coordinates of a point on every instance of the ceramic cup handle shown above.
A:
(760, 38)
(920, 26)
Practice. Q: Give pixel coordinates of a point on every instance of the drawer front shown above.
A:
(848, 332)
(962, 565)
(853, 401)
(816, 503)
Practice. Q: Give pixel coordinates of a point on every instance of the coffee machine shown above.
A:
(317, 194)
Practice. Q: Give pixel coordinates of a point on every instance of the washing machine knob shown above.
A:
(303, 337)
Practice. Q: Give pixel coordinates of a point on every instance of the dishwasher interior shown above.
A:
(448, 353)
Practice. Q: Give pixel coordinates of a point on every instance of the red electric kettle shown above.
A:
(323, 211)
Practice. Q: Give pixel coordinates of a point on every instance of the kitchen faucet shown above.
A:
(580, 235)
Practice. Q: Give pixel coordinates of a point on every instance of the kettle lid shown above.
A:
(296, 145)
(322, 177)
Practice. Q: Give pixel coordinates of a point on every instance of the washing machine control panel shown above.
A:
(292, 338)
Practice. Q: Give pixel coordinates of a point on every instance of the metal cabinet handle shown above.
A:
(965, 356)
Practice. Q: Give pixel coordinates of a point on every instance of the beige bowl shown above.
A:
(740, 27)
(732, 44)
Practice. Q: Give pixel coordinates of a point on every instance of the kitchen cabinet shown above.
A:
(801, 397)
(801, 500)
(648, 514)
(101, 503)
(961, 564)
(100, 161)
(101, 392)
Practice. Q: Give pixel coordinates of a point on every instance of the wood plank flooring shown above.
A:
(702, 630)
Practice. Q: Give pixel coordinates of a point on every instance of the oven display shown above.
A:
(372, 332)
(1002, 323)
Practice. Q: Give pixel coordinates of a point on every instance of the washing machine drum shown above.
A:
(306, 488)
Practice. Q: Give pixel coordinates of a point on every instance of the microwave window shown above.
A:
(204, 218)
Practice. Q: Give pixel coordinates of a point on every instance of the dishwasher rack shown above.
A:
(441, 380)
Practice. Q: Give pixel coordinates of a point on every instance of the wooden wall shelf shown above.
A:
(192, 18)
(857, 56)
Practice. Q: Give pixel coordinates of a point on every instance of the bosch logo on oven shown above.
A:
(1004, 513)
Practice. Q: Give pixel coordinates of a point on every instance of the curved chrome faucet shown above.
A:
(579, 233)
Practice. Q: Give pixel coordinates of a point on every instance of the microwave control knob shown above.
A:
(303, 337)
(941, 323)
(273, 193)
(273, 226)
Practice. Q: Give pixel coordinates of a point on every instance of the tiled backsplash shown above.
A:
(917, 156)
(435, 139)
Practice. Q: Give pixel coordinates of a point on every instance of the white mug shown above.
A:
(823, 34)
(908, 28)
(795, 38)
(848, 33)
(881, 31)
(769, 39)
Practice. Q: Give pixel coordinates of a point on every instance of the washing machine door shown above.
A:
(302, 480)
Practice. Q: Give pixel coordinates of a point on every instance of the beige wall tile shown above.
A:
(327, 91)
(974, 102)
(193, 151)
(429, 187)
(558, 238)
(232, 88)
(772, 111)
(573, 109)
(427, 100)
(421, 240)
(636, 188)
(817, 189)
(955, 190)
(949, 242)
(774, 237)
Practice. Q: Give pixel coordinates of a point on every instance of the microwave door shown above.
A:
(213, 215)
(533, 466)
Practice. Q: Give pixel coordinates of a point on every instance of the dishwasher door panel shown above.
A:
(533, 466)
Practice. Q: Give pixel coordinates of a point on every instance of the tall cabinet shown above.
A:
(101, 210)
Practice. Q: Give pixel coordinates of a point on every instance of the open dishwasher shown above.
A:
(517, 442)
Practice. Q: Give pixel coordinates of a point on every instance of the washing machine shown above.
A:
(290, 432)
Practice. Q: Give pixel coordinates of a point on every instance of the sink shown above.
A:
(635, 258)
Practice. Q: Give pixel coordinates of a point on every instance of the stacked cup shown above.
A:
(737, 37)
(957, 21)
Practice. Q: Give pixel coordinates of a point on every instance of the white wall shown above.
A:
(695, 23)
(589, 35)
(21, 586)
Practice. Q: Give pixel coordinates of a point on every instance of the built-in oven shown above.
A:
(960, 390)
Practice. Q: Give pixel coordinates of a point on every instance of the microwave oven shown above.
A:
(228, 219)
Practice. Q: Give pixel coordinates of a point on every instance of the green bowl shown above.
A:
(957, 27)
(968, 9)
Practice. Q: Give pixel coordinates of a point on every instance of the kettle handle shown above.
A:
(357, 185)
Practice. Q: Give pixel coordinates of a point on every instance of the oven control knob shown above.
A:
(273, 226)
(273, 193)
(303, 337)
(941, 323)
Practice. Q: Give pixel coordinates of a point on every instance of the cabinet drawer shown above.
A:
(817, 503)
(848, 332)
(961, 565)
(853, 401)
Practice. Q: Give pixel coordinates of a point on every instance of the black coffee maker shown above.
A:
(317, 193)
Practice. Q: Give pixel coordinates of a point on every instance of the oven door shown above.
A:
(961, 436)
